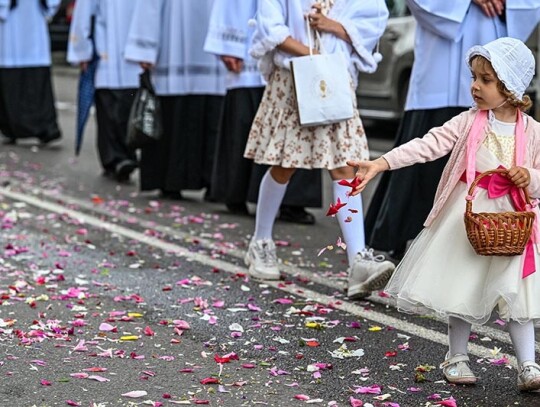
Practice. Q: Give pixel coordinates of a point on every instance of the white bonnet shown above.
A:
(511, 60)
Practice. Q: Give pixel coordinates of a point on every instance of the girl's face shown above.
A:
(484, 85)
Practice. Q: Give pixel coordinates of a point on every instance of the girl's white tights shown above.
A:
(522, 336)
(458, 335)
(353, 230)
(271, 194)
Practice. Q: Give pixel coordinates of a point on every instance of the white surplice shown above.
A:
(112, 22)
(230, 33)
(24, 35)
(445, 32)
(364, 22)
(171, 35)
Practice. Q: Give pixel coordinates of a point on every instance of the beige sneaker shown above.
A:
(456, 369)
(262, 260)
(528, 376)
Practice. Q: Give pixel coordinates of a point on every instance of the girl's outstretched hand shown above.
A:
(366, 171)
(520, 176)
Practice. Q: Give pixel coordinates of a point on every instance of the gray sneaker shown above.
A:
(368, 273)
(262, 260)
(528, 376)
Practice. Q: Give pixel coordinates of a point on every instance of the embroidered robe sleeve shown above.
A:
(228, 28)
(145, 32)
(80, 46)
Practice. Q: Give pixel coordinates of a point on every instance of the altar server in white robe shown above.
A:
(167, 37)
(235, 179)
(116, 79)
(26, 95)
(439, 89)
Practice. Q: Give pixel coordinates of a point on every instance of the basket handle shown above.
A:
(468, 207)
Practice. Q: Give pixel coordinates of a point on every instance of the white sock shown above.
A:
(458, 335)
(522, 336)
(353, 231)
(271, 194)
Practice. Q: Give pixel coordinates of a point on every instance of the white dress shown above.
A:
(442, 273)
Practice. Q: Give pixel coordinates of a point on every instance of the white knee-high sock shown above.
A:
(353, 230)
(271, 194)
(458, 335)
(522, 336)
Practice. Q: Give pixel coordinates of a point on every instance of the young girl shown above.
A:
(277, 139)
(441, 270)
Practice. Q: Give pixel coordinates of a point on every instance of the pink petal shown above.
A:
(283, 301)
(450, 402)
(355, 402)
(148, 331)
(72, 403)
(301, 397)
(106, 327)
(79, 375)
(99, 378)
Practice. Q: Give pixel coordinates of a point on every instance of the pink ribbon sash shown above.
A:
(497, 185)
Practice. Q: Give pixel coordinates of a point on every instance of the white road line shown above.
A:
(174, 233)
(410, 328)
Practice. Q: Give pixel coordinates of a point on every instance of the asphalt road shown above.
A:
(106, 293)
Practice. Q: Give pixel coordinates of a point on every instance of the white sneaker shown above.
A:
(368, 273)
(528, 376)
(262, 260)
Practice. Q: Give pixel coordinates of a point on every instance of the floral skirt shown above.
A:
(276, 137)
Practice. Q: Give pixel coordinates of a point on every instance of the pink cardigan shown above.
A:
(452, 136)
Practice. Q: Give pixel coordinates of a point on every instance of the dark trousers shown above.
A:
(183, 157)
(27, 103)
(112, 113)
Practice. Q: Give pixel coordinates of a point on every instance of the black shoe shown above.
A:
(124, 169)
(50, 138)
(237, 208)
(296, 214)
(172, 195)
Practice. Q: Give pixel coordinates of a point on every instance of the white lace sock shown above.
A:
(458, 335)
(271, 194)
(353, 231)
(522, 336)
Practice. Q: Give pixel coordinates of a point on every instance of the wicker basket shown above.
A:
(498, 234)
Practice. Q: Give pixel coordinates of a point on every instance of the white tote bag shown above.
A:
(322, 86)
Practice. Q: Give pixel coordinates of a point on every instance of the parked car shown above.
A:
(382, 95)
(59, 26)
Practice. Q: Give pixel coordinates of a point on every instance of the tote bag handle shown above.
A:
(310, 39)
